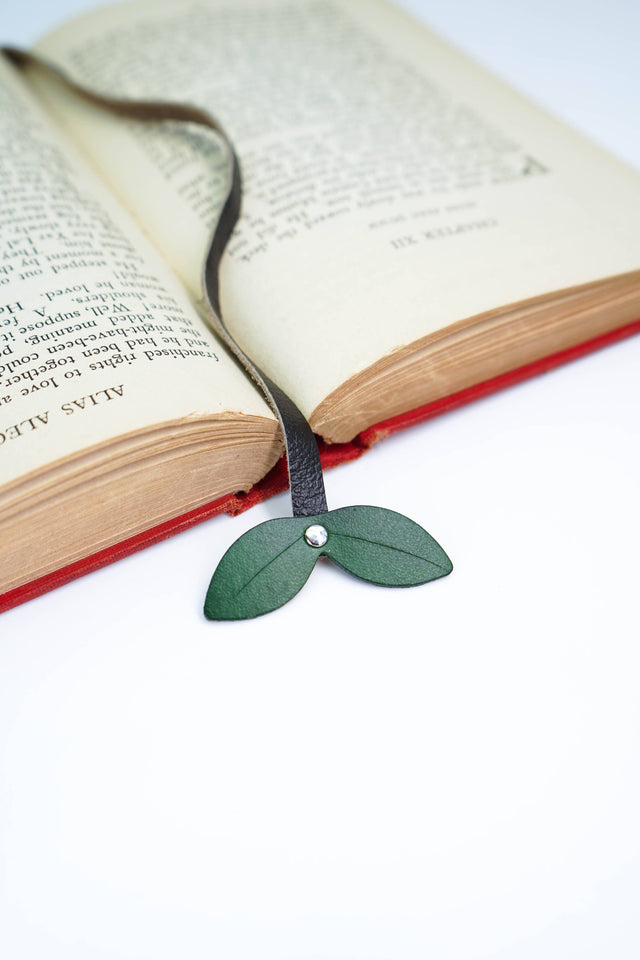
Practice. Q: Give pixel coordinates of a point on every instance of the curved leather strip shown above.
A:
(305, 472)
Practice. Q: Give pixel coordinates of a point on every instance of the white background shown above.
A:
(444, 772)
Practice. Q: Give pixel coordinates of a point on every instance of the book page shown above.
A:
(391, 186)
(97, 339)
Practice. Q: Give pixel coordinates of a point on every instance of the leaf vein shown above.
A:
(262, 569)
(377, 543)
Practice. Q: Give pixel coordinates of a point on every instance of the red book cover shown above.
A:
(330, 454)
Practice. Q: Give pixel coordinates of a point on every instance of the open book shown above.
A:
(414, 234)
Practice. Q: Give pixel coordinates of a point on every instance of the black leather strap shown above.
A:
(305, 471)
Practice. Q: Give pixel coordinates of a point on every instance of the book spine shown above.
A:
(331, 455)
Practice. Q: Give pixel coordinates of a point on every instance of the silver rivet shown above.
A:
(316, 535)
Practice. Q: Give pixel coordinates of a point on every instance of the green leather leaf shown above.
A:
(263, 569)
(383, 547)
(270, 563)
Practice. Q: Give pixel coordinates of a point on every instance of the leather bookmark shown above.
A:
(270, 563)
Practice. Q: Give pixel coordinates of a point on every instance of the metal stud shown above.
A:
(316, 535)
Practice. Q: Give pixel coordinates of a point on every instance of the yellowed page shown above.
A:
(97, 338)
(392, 187)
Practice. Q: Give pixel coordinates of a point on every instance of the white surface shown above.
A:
(446, 772)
